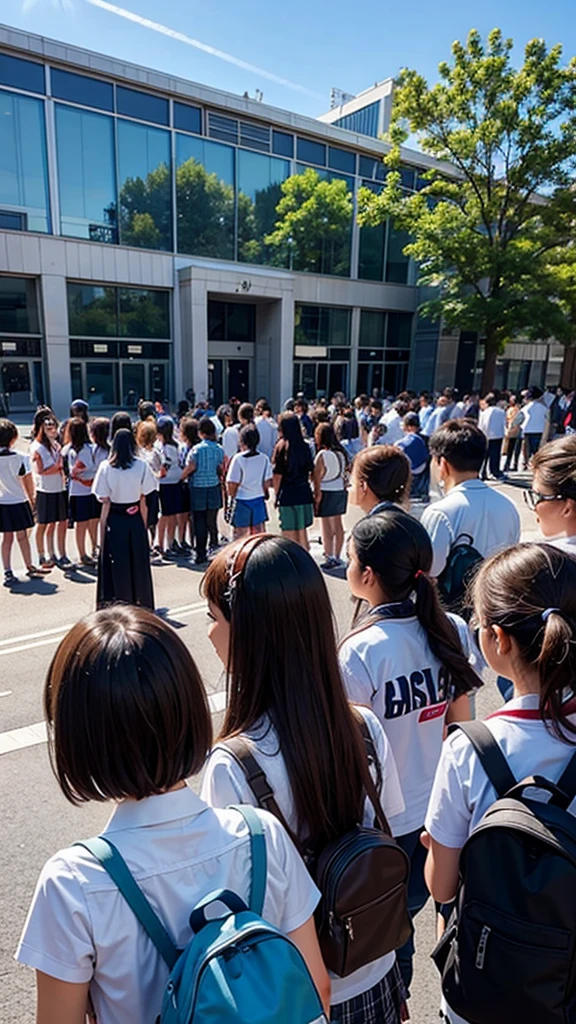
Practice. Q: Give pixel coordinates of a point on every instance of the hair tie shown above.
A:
(548, 612)
(419, 573)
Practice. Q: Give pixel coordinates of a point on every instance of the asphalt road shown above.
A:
(37, 820)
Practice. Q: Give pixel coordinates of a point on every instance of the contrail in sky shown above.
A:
(182, 38)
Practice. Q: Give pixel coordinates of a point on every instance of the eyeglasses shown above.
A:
(533, 498)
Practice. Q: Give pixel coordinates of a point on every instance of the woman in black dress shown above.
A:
(121, 484)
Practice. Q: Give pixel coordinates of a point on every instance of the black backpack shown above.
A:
(508, 953)
(462, 562)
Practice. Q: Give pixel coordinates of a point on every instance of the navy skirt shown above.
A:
(14, 518)
(52, 508)
(153, 506)
(84, 507)
(171, 499)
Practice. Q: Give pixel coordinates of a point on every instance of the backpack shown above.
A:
(508, 953)
(461, 564)
(235, 969)
(363, 875)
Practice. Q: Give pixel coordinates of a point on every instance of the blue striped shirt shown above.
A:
(207, 456)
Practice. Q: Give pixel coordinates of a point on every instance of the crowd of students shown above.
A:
(128, 719)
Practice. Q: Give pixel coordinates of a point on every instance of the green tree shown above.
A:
(205, 212)
(313, 226)
(484, 226)
(145, 210)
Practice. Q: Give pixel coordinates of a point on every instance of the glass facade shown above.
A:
(145, 189)
(21, 377)
(99, 312)
(86, 174)
(364, 121)
(384, 351)
(205, 197)
(259, 192)
(322, 325)
(231, 321)
(23, 168)
(18, 306)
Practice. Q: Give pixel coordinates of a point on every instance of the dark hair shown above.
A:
(250, 436)
(222, 412)
(555, 462)
(8, 433)
(77, 433)
(123, 450)
(246, 412)
(120, 421)
(146, 409)
(385, 469)
(126, 709)
(461, 443)
(165, 428)
(100, 430)
(346, 426)
(325, 437)
(411, 419)
(302, 404)
(40, 416)
(291, 441)
(206, 428)
(264, 406)
(79, 408)
(283, 663)
(398, 550)
(189, 430)
(512, 590)
(376, 403)
(490, 399)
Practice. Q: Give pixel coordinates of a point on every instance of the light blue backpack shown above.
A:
(236, 969)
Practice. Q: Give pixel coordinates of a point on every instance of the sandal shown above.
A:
(46, 563)
(34, 573)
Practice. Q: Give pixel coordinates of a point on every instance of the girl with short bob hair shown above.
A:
(525, 606)
(51, 494)
(293, 465)
(381, 476)
(129, 722)
(553, 494)
(408, 661)
(248, 480)
(272, 627)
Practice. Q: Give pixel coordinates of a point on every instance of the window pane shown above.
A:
(144, 313)
(142, 105)
(307, 325)
(372, 328)
(92, 311)
(100, 384)
(23, 171)
(81, 89)
(364, 121)
(259, 192)
(221, 127)
(21, 74)
(282, 144)
(311, 152)
(342, 160)
(216, 320)
(396, 262)
(255, 136)
(240, 321)
(205, 197)
(76, 380)
(339, 327)
(399, 330)
(321, 244)
(188, 118)
(133, 386)
(18, 307)
(145, 201)
(407, 177)
(371, 255)
(86, 175)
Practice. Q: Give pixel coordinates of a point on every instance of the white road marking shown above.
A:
(32, 735)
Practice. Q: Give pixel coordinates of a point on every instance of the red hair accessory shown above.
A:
(418, 574)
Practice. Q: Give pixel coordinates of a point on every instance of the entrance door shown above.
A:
(239, 379)
(133, 386)
(17, 386)
(228, 378)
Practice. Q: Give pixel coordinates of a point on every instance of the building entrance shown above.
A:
(229, 378)
(21, 385)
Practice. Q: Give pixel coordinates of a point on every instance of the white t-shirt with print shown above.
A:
(13, 467)
(251, 473)
(124, 486)
(86, 457)
(224, 783)
(390, 667)
(54, 483)
(179, 850)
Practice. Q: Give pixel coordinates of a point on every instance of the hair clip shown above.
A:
(548, 612)
(419, 573)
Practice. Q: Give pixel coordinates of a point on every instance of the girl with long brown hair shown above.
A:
(330, 496)
(272, 627)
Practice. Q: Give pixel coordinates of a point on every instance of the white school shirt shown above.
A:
(99, 454)
(86, 456)
(251, 473)
(268, 435)
(535, 416)
(54, 483)
(231, 441)
(335, 464)
(390, 667)
(492, 422)
(124, 486)
(79, 927)
(224, 782)
(567, 544)
(13, 467)
(152, 457)
(170, 459)
(486, 515)
(393, 423)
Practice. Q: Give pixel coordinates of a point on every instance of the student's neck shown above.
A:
(458, 478)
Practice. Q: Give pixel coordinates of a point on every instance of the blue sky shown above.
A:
(313, 45)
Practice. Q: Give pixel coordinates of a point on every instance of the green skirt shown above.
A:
(296, 517)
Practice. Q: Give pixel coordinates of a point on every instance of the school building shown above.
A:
(135, 256)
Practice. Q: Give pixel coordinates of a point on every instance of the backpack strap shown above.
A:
(258, 856)
(567, 781)
(113, 862)
(257, 780)
(491, 757)
(371, 790)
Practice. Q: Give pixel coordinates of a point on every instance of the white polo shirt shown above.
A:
(492, 422)
(54, 482)
(224, 782)
(231, 441)
(486, 515)
(535, 415)
(179, 850)
(13, 467)
(124, 486)
(251, 473)
(268, 435)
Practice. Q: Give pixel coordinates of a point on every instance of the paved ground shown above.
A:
(36, 820)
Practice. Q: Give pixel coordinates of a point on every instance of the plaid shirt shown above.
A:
(207, 457)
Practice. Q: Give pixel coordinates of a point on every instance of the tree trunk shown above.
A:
(568, 371)
(491, 355)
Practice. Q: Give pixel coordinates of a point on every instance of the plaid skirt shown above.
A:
(381, 1004)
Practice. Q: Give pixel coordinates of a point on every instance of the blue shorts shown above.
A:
(250, 512)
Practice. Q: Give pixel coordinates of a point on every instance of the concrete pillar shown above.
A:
(55, 319)
(354, 347)
(194, 336)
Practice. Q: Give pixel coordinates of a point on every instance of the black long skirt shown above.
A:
(124, 569)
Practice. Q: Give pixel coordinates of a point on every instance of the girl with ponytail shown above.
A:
(409, 662)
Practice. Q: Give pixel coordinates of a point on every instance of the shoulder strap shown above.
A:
(257, 780)
(113, 862)
(371, 791)
(567, 781)
(258, 857)
(491, 757)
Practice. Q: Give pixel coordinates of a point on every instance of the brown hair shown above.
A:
(77, 433)
(513, 590)
(126, 709)
(283, 663)
(325, 438)
(146, 433)
(8, 433)
(100, 430)
(189, 430)
(555, 463)
(385, 469)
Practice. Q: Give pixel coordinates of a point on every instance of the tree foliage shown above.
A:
(313, 225)
(493, 219)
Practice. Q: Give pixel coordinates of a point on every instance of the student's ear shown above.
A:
(503, 641)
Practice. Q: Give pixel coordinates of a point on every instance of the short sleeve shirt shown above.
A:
(251, 473)
(207, 456)
(13, 467)
(85, 456)
(54, 483)
(295, 487)
(124, 486)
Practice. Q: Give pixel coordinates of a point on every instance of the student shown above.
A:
(272, 628)
(553, 494)
(204, 470)
(100, 433)
(534, 421)
(470, 507)
(249, 480)
(16, 503)
(146, 435)
(141, 728)
(189, 436)
(525, 605)
(416, 450)
(121, 484)
(84, 509)
(266, 428)
(409, 664)
(492, 423)
(170, 478)
(301, 410)
(330, 496)
(292, 465)
(231, 435)
(380, 476)
(51, 494)
(120, 421)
